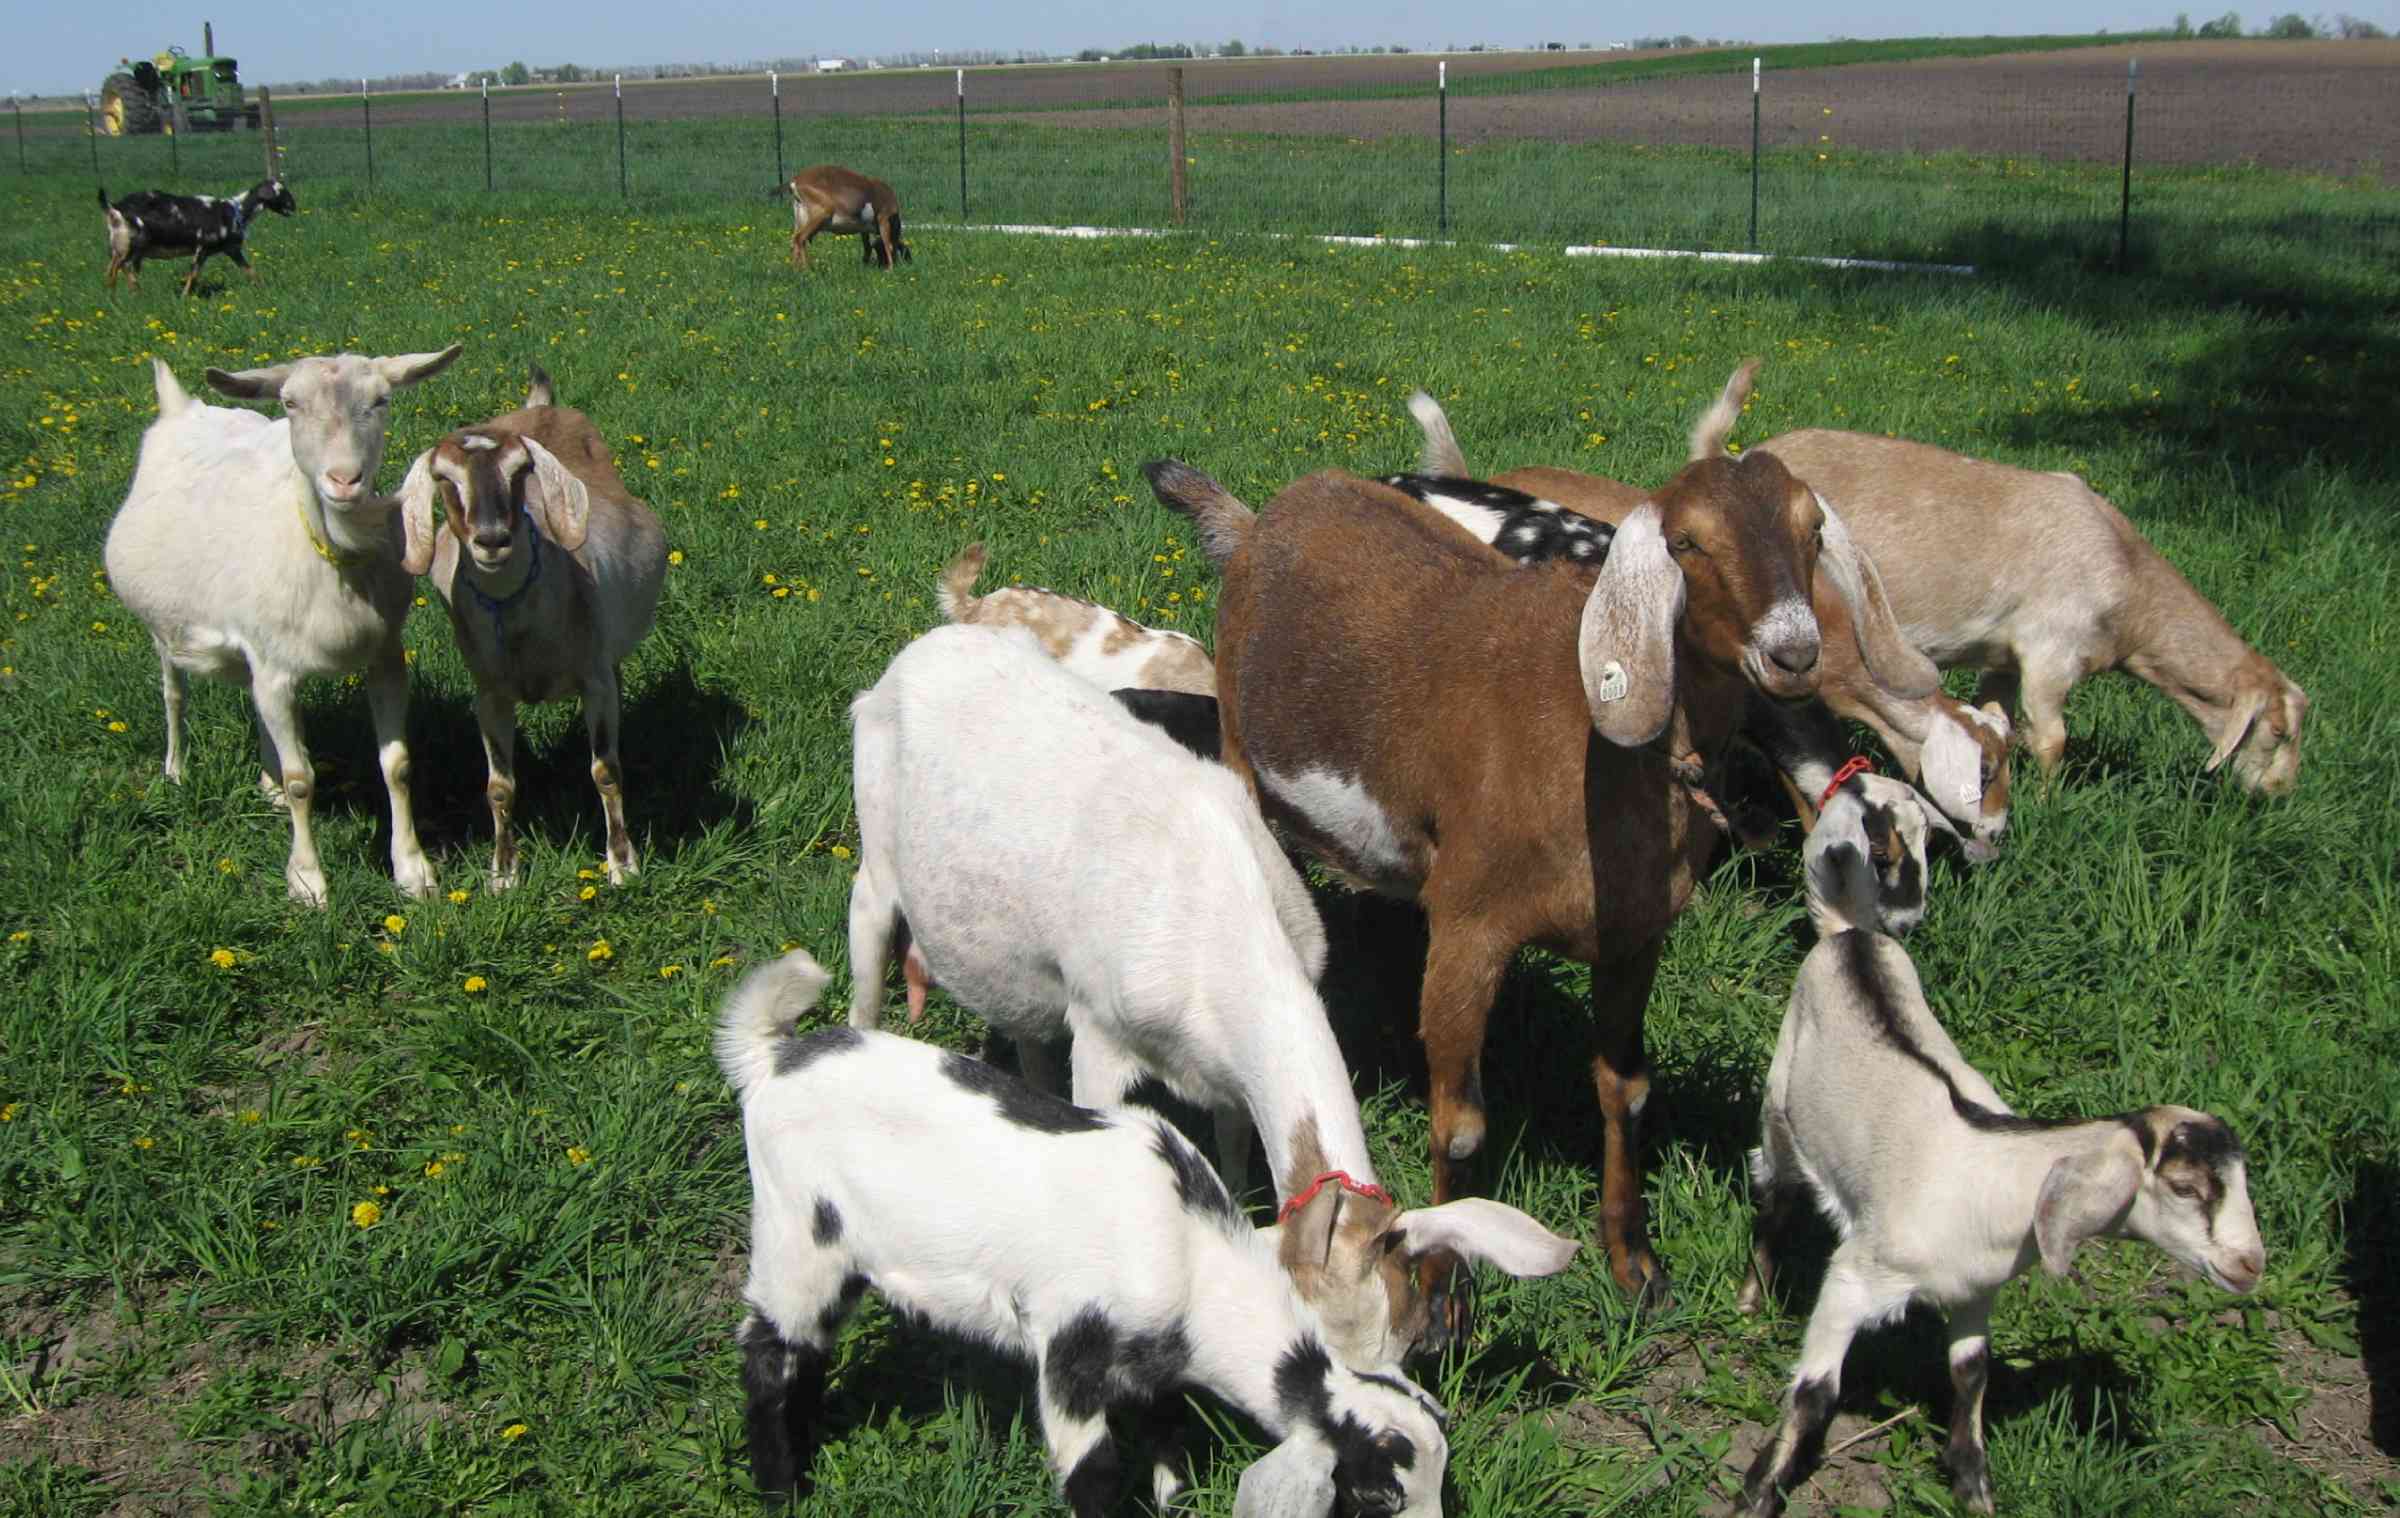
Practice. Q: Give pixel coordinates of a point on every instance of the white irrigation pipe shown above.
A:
(1577, 250)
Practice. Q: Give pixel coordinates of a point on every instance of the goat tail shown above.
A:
(956, 589)
(173, 399)
(1717, 422)
(758, 1017)
(104, 205)
(537, 387)
(1441, 455)
(1222, 521)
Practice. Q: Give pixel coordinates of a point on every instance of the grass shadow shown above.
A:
(2368, 1273)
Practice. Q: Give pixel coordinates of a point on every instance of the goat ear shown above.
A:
(1995, 717)
(1478, 1228)
(1627, 642)
(1441, 454)
(1950, 765)
(2083, 1196)
(2237, 727)
(420, 515)
(1717, 422)
(557, 499)
(537, 388)
(250, 384)
(1835, 856)
(173, 399)
(1892, 661)
(1292, 1480)
(407, 368)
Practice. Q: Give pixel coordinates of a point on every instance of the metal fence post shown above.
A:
(1754, 154)
(775, 94)
(19, 107)
(175, 149)
(1441, 86)
(487, 136)
(962, 144)
(2133, 72)
(366, 112)
(1176, 186)
(623, 192)
(91, 129)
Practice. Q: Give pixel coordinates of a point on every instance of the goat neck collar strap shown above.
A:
(1339, 1178)
(241, 212)
(1855, 765)
(496, 607)
(337, 557)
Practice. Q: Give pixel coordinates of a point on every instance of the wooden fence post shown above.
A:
(1177, 188)
(266, 131)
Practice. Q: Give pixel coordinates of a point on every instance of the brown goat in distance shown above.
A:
(829, 197)
(1440, 725)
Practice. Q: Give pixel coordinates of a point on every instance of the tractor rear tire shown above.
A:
(126, 109)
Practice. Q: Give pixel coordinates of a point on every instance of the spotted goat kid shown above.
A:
(1099, 1247)
(1939, 1192)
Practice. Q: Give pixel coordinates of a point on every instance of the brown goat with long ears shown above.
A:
(1440, 725)
(829, 197)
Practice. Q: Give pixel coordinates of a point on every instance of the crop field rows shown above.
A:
(439, 1207)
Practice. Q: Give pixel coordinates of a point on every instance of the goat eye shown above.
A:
(2185, 1190)
(1683, 543)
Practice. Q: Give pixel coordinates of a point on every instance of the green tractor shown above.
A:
(204, 94)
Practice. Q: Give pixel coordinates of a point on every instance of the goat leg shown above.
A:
(1970, 1371)
(275, 695)
(387, 705)
(1463, 968)
(602, 702)
(1621, 1078)
(496, 716)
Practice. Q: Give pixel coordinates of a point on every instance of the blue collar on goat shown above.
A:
(496, 607)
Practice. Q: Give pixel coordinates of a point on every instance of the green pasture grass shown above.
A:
(439, 1207)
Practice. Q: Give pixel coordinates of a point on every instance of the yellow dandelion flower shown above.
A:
(578, 1156)
(458, 898)
(249, 1115)
(840, 851)
(381, 1190)
(588, 892)
(22, 935)
(224, 866)
(8, 1113)
(116, 727)
(305, 1162)
(515, 1431)
(475, 985)
(366, 1214)
(221, 958)
(434, 1168)
(669, 972)
(145, 1142)
(674, 555)
(708, 905)
(720, 962)
(600, 951)
(395, 924)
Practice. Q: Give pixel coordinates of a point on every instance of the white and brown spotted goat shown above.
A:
(154, 223)
(1106, 648)
(831, 198)
(551, 570)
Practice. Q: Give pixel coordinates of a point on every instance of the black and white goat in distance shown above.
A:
(1940, 1193)
(1099, 1247)
(153, 223)
(551, 570)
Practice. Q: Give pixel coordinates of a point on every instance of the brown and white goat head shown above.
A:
(2261, 731)
(2176, 1178)
(491, 489)
(1355, 1258)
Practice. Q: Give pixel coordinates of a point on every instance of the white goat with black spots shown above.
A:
(259, 551)
(1098, 1247)
(1939, 1192)
(1067, 869)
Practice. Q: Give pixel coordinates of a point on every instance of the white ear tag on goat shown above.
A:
(1613, 683)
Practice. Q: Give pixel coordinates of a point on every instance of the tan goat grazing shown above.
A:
(1106, 648)
(551, 570)
(1441, 725)
(831, 198)
(2036, 579)
(1958, 752)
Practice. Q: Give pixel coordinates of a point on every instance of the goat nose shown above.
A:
(492, 542)
(1795, 656)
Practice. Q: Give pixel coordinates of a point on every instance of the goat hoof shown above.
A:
(1655, 1296)
(1449, 1309)
(308, 890)
(1973, 1491)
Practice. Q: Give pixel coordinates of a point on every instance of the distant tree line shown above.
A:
(2290, 25)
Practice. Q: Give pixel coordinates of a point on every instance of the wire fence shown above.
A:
(2106, 155)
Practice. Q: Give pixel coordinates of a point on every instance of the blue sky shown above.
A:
(55, 48)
